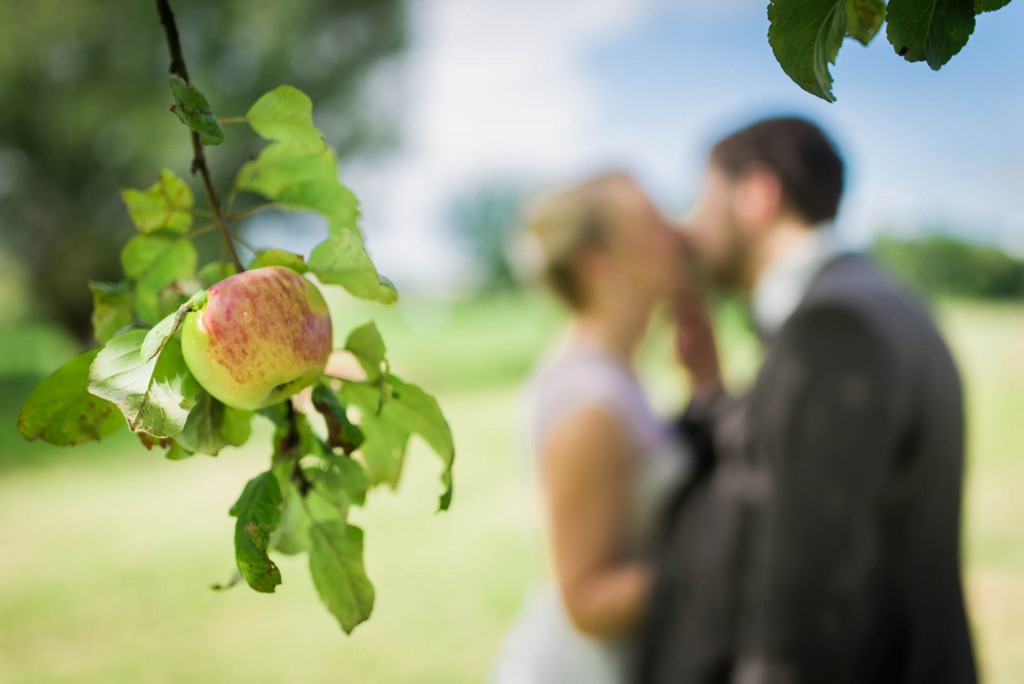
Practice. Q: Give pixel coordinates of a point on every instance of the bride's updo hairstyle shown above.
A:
(568, 224)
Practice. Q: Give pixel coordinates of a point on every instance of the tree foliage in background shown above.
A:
(483, 222)
(85, 112)
(806, 35)
(938, 264)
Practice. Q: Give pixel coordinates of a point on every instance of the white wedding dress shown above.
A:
(543, 647)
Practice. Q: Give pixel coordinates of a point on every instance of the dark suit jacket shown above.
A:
(823, 546)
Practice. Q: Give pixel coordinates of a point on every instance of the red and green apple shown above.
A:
(261, 336)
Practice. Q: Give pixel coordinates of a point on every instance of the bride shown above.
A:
(607, 463)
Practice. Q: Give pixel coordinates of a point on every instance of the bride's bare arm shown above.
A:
(586, 464)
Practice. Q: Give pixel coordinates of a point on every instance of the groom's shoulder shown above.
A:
(853, 284)
(853, 279)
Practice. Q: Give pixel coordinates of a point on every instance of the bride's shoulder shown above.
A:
(569, 374)
(563, 384)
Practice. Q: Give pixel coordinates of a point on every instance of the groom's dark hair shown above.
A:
(799, 153)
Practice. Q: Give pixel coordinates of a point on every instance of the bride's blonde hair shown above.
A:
(567, 224)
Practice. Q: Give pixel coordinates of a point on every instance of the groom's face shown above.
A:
(717, 234)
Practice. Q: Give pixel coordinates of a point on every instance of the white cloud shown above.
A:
(496, 89)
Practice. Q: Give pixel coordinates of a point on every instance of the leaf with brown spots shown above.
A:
(193, 109)
(61, 410)
(929, 31)
(258, 513)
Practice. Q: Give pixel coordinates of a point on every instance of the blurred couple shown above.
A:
(807, 533)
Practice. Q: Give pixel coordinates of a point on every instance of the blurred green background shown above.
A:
(107, 551)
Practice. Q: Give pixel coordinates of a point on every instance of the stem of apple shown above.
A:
(199, 166)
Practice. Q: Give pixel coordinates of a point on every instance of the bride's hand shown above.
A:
(695, 342)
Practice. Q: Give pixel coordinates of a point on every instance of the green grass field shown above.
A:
(106, 552)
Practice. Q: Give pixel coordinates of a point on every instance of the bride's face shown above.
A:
(643, 249)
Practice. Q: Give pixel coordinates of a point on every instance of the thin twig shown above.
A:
(233, 120)
(201, 230)
(249, 211)
(199, 166)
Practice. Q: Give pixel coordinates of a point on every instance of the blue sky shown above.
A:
(548, 91)
(924, 147)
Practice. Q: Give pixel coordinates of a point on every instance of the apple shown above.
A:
(261, 336)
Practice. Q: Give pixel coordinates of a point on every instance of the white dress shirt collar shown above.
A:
(786, 279)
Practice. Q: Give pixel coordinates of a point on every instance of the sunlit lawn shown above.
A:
(106, 552)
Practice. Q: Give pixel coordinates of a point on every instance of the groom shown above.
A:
(822, 547)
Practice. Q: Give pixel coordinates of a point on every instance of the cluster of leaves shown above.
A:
(138, 377)
(806, 35)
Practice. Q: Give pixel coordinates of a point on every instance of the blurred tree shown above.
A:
(483, 221)
(84, 87)
(940, 264)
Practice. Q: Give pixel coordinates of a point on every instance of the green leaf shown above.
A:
(214, 272)
(412, 407)
(160, 333)
(344, 475)
(61, 411)
(324, 502)
(258, 511)
(292, 535)
(193, 109)
(156, 260)
(367, 346)
(384, 448)
(211, 426)
(284, 439)
(385, 439)
(336, 563)
(805, 36)
(304, 180)
(989, 5)
(279, 257)
(113, 307)
(405, 410)
(165, 205)
(929, 30)
(342, 260)
(154, 394)
(176, 452)
(340, 431)
(864, 18)
(285, 114)
(152, 306)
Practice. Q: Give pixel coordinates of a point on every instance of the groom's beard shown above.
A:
(730, 267)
